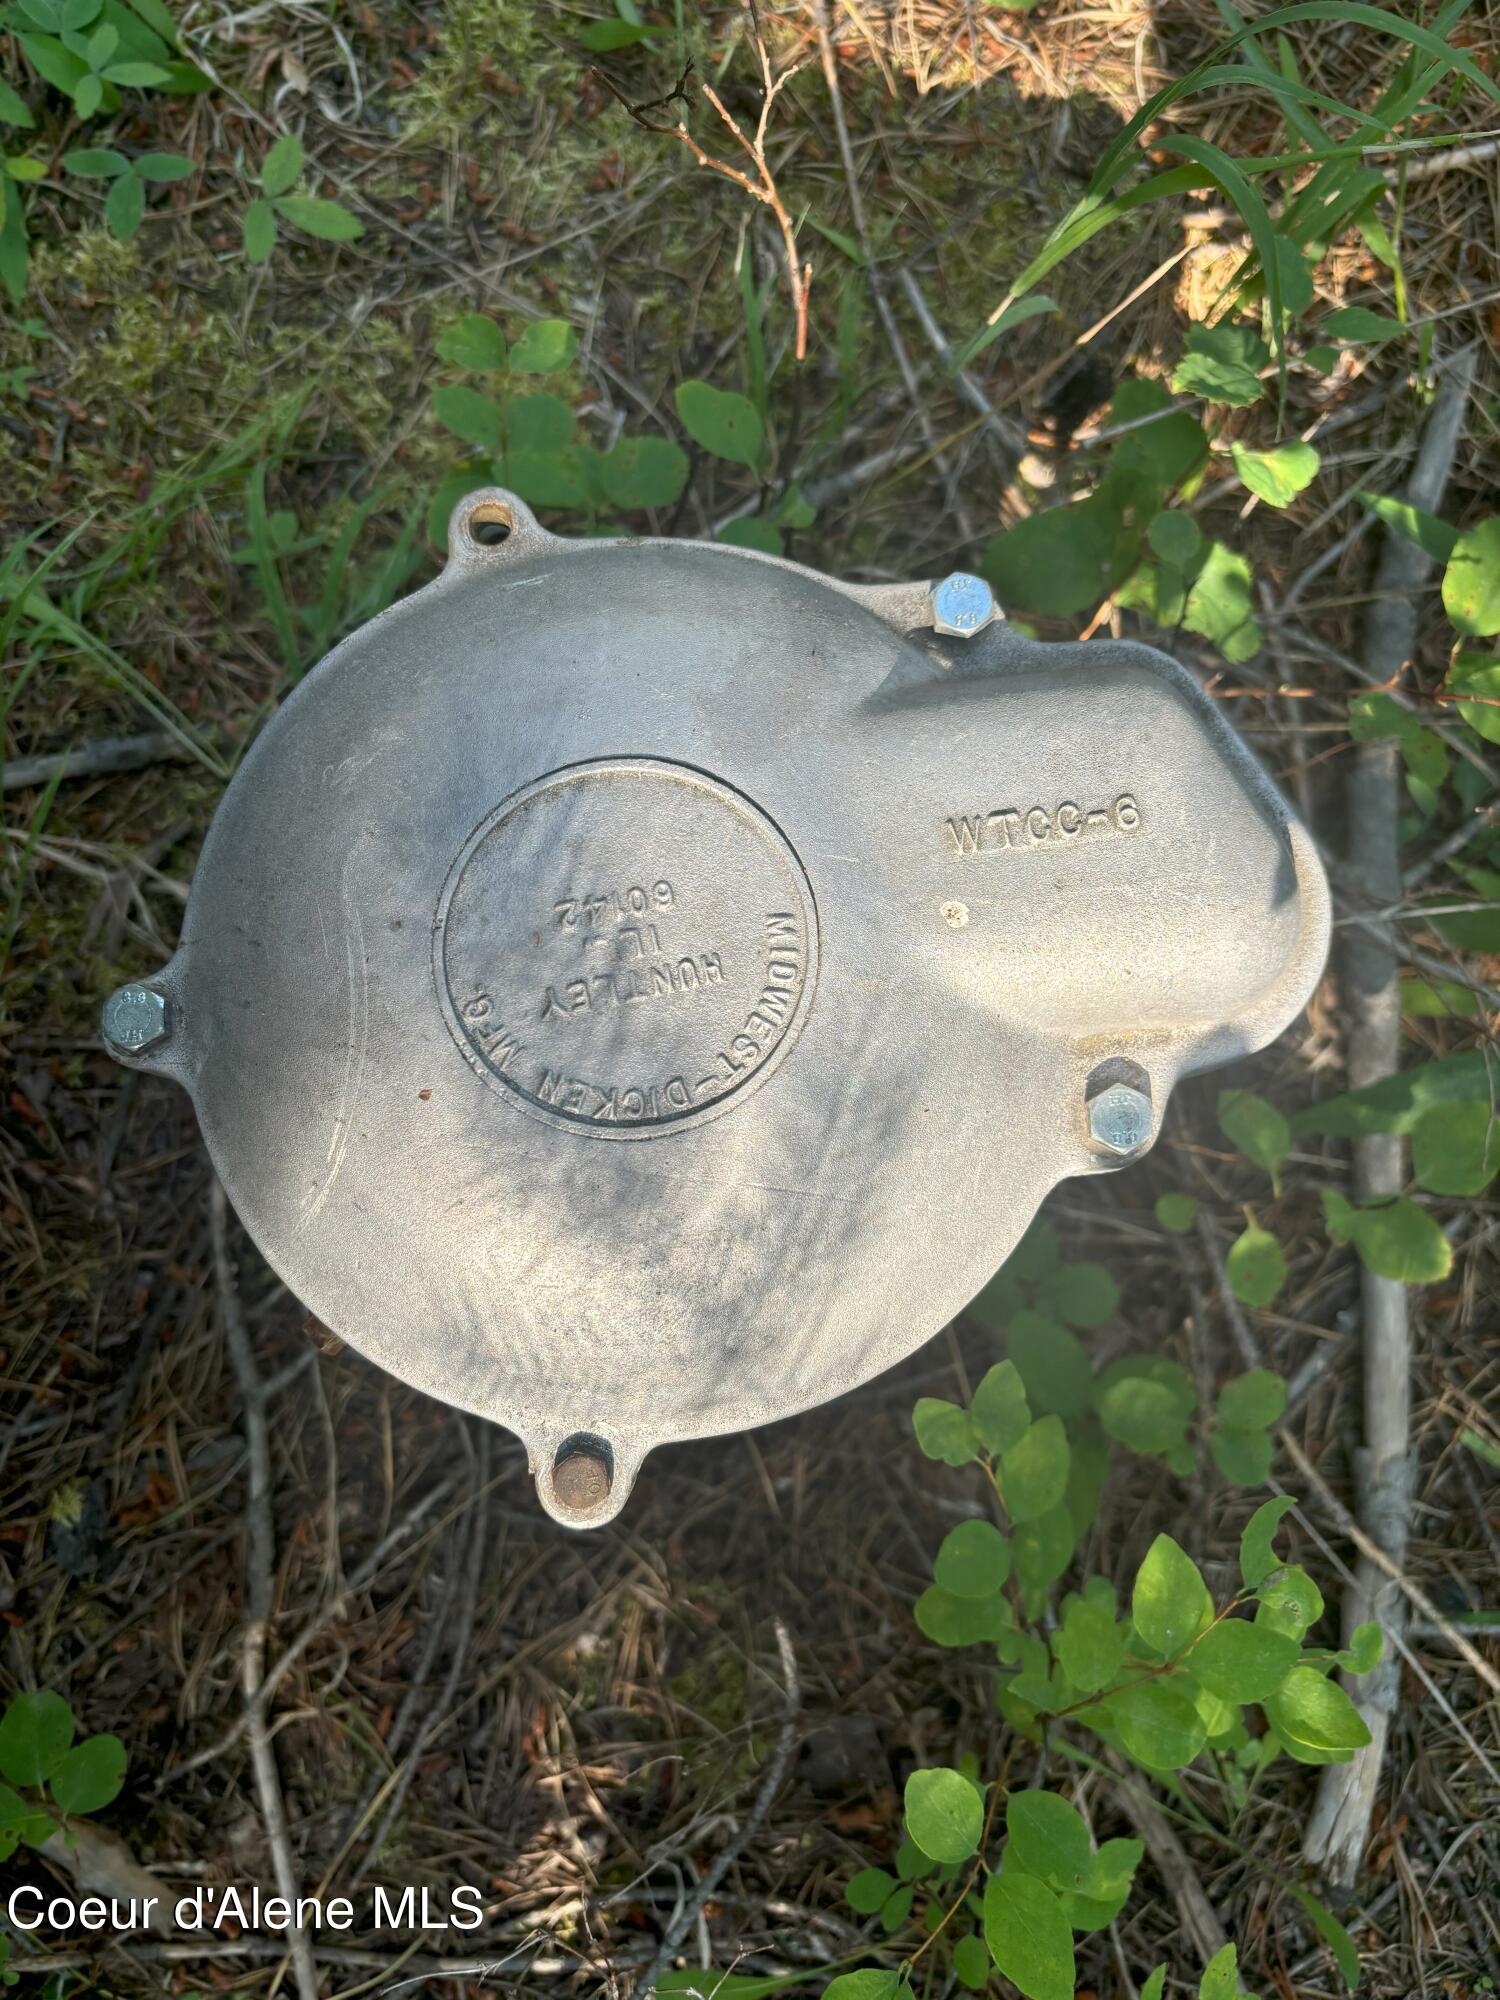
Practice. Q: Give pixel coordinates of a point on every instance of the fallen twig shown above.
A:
(1340, 1823)
(260, 1566)
(770, 1784)
(762, 187)
(1175, 1866)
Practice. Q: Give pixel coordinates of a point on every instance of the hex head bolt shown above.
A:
(135, 1018)
(962, 605)
(1120, 1120)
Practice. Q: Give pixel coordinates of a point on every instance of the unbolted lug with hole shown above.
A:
(637, 989)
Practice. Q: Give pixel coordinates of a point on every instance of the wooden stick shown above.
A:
(1340, 1824)
(260, 1571)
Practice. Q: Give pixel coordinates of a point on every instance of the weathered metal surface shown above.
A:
(635, 990)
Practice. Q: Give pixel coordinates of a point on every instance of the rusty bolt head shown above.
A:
(581, 1478)
(962, 605)
(1120, 1120)
(135, 1018)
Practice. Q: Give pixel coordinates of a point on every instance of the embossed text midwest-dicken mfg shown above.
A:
(598, 965)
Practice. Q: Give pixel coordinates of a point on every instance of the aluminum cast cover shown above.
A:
(639, 989)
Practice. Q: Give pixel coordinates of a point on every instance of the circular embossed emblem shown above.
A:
(625, 945)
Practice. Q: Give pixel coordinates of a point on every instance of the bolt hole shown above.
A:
(490, 525)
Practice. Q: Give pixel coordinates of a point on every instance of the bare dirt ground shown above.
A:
(576, 1724)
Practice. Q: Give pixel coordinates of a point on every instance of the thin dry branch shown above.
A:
(260, 1570)
(1340, 1824)
(762, 187)
(770, 1784)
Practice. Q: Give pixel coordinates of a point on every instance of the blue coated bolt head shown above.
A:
(1120, 1120)
(135, 1018)
(962, 605)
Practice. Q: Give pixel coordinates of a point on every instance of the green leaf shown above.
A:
(327, 220)
(1333, 1934)
(1243, 1456)
(867, 1984)
(645, 472)
(1395, 1239)
(869, 1890)
(1221, 1978)
(1311, 1712)
(20, 1820)
(1167, 451)
(1219, 604)
(35, 1734)
(1455, 1149)
(1158, 1724)
(163, 167)
(752, 531)
(1401, 518)
(999, 1410)
(1068, 557)
(281, 169)
(1029, 1936)
(721, 422)
(536, 423)
(1169, 1604)
(13, 109)
(973, 1561)
(1175, 537)
(1105, 1887)
(1471, 582)
(260, 231)
(1478, 678)
(468, 414)
(90, 1776)
(1049, 1838)
(546, 346)
(944, 1814)
(1145, 1402)
(944, 1431)
(473, 342)
(1255, 1267)
(136, 75)
(96, 162)
(1034, 1472)
(1156, 1984)
(1256, 1129)
(1290, 1601)
(1366, 1644)
(1015, 314)
(124, 206)
(1359, 323)
(971, 1963)
(1242, 1662)
(1177, 1213)
(1396, 1102)
(961, 1621)
(1050, 1361)
(1089, 1645)
(604, 37)
(1482, 1449)
(1222, 364)
(546, 478)
(1276, 476)
(1082, 1294)
(1042, 1549)
(1253, 1401)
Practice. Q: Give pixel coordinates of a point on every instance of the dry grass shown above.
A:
(616, 1694)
